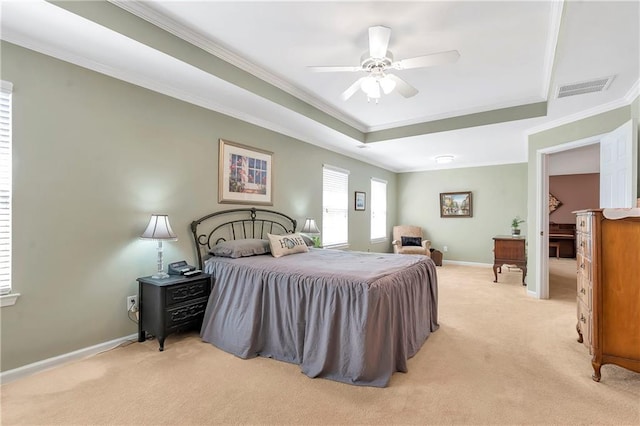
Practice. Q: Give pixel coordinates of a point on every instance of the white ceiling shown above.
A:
(512, 54)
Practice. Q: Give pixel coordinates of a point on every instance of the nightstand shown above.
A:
(171, 304)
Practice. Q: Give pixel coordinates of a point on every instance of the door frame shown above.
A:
(542, 209)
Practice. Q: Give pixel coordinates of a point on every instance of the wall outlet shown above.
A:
(132, 303)
(445, 248)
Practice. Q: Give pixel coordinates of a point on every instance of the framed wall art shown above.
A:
(244, 174)
(456, 204)
(360, 201)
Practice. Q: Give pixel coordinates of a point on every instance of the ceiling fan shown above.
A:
(379, 60)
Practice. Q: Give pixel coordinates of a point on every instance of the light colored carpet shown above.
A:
(499, 357)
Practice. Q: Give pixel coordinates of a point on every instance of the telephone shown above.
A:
(182, 268)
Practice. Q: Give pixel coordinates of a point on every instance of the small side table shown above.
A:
(436, 256)
(509, 251)
(171, 304)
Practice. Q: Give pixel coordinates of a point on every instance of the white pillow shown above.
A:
(283, 245)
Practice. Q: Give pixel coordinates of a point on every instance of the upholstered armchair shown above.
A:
(411, 235)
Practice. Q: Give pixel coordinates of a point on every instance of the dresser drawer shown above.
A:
(584, 268)
(584, 291)
(584, 324)
(186, 292)
(583, 224)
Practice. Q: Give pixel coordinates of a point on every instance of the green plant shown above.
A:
(515, 223)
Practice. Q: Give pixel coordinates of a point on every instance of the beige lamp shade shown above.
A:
(310, 227)
(159, 229)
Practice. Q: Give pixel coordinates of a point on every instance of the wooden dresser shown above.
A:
(608, 265)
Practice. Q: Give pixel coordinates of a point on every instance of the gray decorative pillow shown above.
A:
(240, 248)
(411, 241)
(283, 245)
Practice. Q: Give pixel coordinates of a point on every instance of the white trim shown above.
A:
(460, 262)
(579, 116)
(8, 299)
(6, 86)
(36, 367)
(379, 180)
(336, 169)
(555, 20)
(379, 240)
(532, 293)
(542, 223)
(633, 92)
(143, 11)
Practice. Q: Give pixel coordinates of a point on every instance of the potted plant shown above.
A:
(515, 226)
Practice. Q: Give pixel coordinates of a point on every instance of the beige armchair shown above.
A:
(410, 231)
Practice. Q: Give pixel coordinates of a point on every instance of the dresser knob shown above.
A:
(583, 319)
(582, 266)
(582, 290)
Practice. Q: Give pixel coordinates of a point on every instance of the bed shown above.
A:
(352, 317)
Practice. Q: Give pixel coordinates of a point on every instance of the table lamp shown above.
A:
(160, 230)
(311, 229)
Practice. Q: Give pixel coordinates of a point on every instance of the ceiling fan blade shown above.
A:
(335, 69)
(434, 59)
(404, 88)
(379, 41)
(352, 89)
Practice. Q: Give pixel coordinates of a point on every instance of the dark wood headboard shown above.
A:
(236, 224)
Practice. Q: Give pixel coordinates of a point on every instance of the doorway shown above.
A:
(622, 139)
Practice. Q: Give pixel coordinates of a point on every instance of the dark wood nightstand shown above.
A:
(171, 304)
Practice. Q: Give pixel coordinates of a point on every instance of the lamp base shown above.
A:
(160, 275)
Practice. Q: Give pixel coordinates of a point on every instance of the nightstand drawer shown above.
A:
(184, 314)
(187, 292)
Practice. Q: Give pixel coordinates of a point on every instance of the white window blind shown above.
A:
(378, 209)
(335, 206)
(5, 187)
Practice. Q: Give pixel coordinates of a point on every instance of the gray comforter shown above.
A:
(347, 316)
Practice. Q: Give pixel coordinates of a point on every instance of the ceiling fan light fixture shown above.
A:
(371, 87)
(443, 159)
(387, 85)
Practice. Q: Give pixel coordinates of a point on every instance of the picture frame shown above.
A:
(360, 201)
(244, 174)
(456, 204)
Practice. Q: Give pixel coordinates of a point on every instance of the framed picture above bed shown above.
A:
(456, 204)
(244, 174)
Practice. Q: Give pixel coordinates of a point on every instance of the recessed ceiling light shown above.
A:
(442, 159)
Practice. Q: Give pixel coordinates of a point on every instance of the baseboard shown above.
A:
(27, 370)
(460, 262)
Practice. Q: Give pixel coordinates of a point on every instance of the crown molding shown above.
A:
(633, 92)
(622, 102)
(143, 11)
(555, 23)
(456, 113)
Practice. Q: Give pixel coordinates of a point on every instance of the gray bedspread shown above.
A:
(348, 316)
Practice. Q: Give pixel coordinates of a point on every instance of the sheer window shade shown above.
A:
(378, 209)
(335, 206)
(5, 187)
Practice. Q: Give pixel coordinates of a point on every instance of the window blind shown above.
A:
(335, 206)
(378, 209)
(6, 89)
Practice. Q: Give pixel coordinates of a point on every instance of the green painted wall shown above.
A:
(93, 158)
(499, 194)
(581, 129)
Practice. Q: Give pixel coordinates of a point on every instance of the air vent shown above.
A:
(590, 86)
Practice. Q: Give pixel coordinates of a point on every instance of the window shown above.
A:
(378, 209)
(335, 206)
(5, 187)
